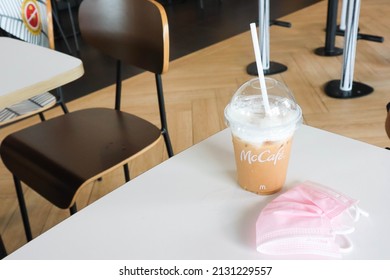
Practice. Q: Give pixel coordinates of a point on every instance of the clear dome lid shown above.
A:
(248, 119)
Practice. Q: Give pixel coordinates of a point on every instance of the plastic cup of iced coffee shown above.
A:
(262, 136)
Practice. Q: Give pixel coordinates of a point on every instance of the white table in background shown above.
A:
(27, 70)
(190, 207)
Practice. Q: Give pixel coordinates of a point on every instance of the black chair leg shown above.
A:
(73, 209)
(73, 29)
(61, 100)
(163, 117)
(23, 208)
(3, 252)
(127, 172)
(168, 144)
(58, 24)
(64, 108)
(42, 117)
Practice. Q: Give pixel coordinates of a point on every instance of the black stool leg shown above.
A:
(23, 208)
(330, 37)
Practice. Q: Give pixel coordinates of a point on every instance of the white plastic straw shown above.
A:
(260, 70)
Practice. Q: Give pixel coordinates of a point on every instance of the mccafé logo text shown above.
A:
(264, 156)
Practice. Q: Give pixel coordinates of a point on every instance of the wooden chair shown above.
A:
(58, 157)
(30, 22)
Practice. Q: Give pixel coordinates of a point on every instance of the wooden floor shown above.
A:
(198, 87)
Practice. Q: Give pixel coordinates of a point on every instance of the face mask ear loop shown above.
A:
(355, 215)
(362, 212)
(348, 244)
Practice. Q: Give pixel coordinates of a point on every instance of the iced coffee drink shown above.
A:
(262, 139)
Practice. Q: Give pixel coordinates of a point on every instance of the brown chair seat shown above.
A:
(39, 155)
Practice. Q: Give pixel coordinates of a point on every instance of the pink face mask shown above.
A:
(307, 219)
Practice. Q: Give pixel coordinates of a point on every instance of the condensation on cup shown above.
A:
(262, 140)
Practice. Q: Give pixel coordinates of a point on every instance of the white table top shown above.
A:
(190, 207)
(27, 70)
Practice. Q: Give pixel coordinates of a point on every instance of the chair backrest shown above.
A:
(133, 31)
(29, 20)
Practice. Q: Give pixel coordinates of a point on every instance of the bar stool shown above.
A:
(332, 30)
(269, 67)
(346, 87)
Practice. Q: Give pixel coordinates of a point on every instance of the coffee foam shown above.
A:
(246, 117)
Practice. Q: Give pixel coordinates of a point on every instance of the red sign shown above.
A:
(31, 16)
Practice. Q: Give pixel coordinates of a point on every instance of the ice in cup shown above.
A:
(262, 138)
